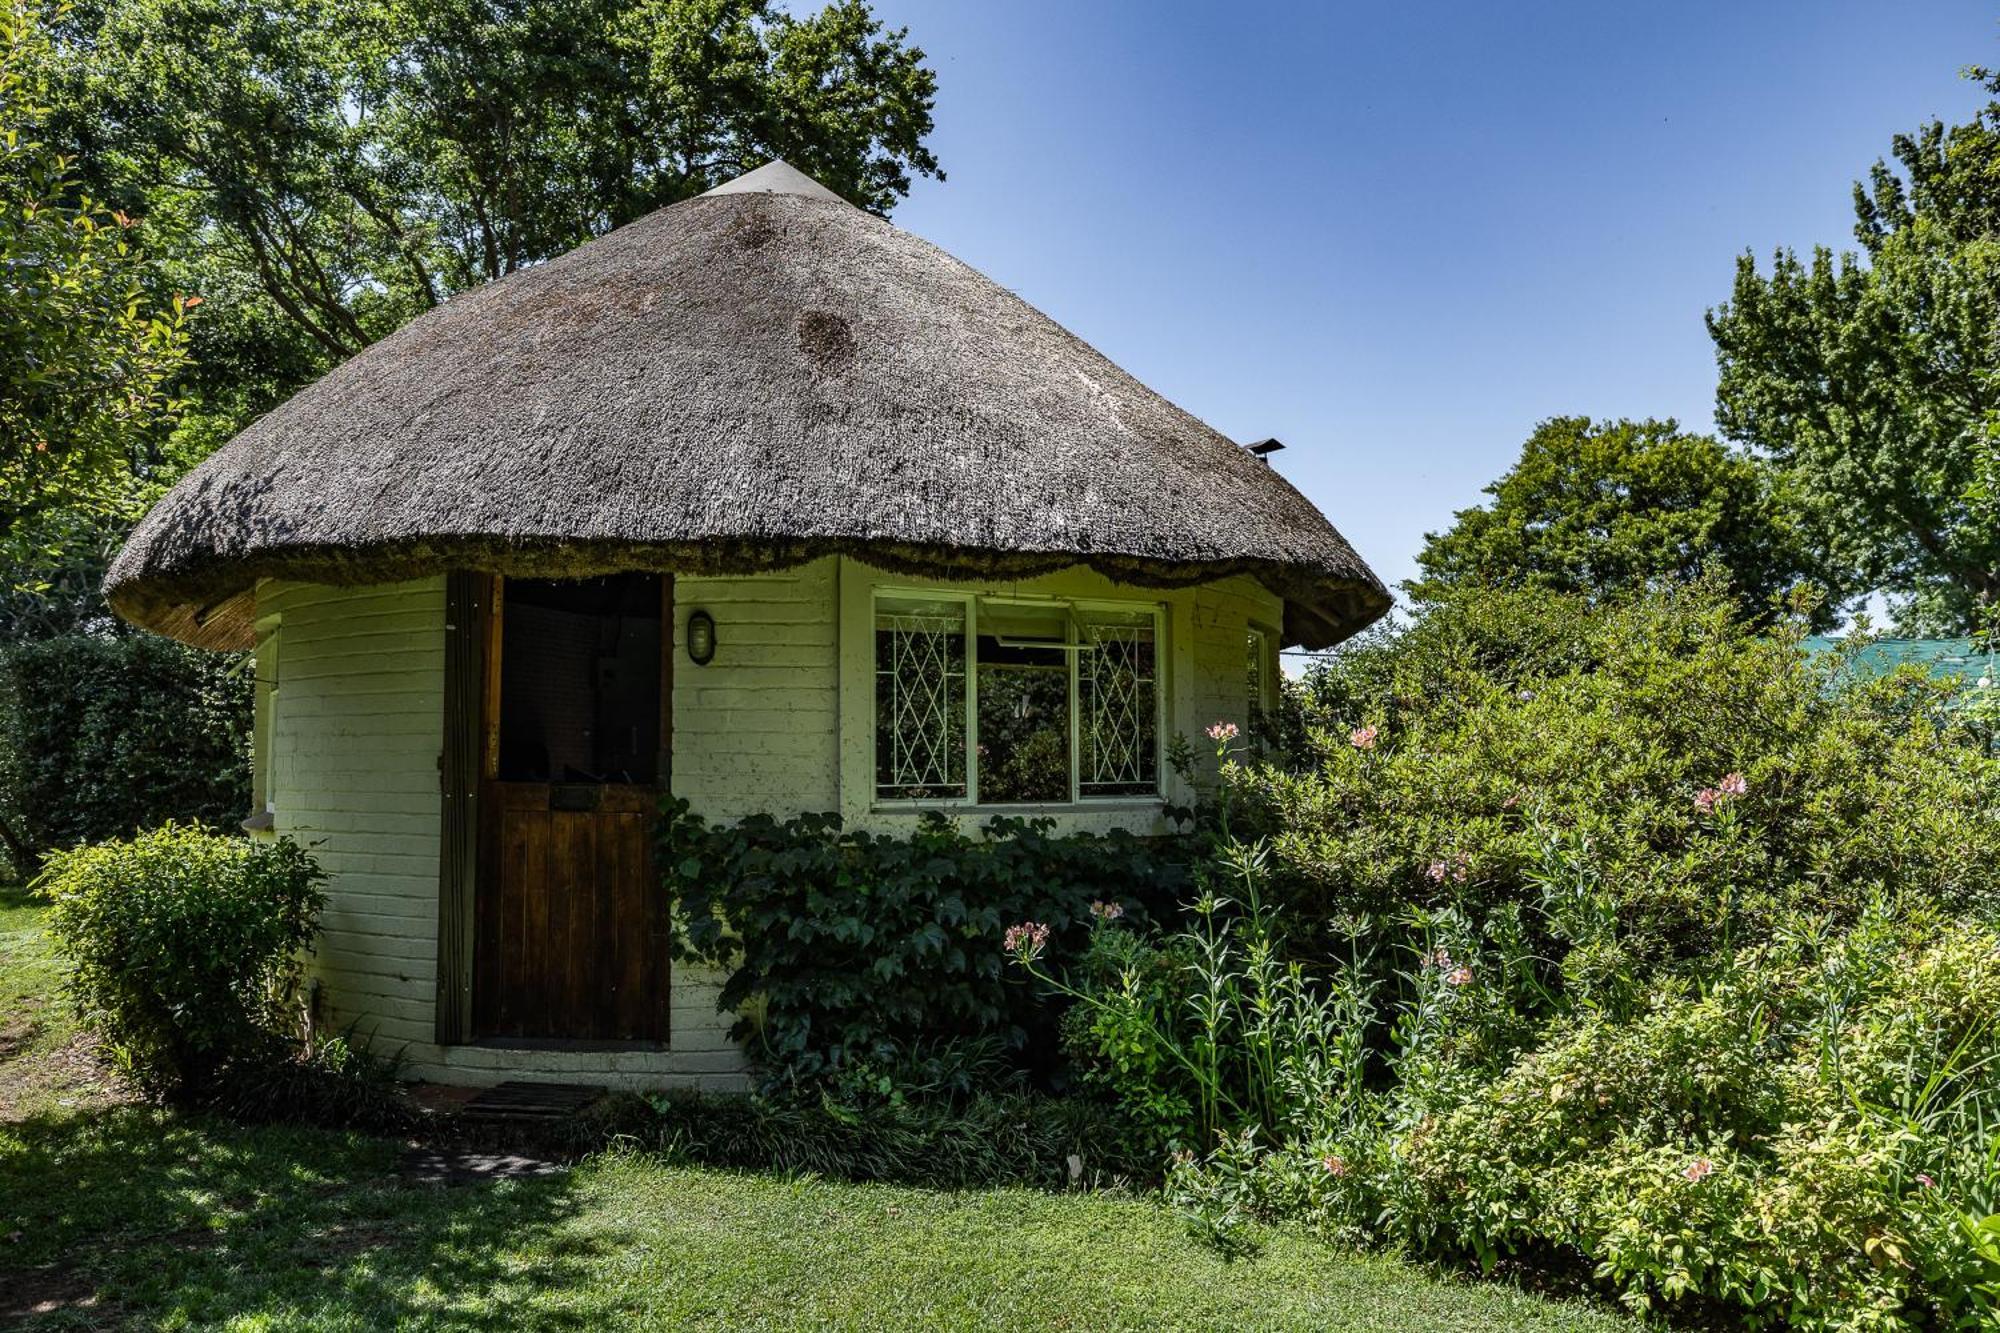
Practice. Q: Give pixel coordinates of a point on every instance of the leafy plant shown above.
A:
(852, 948)
(184, 950)
(1211, 1033)
(101, 735)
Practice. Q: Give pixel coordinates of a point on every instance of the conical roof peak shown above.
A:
(775, 177)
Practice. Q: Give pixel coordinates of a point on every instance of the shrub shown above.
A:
(1801, 1139)
(1651, 955)
(1708, 779)
(184, 950)
(858, 946)
(101, 735)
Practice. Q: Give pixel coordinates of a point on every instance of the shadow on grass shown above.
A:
(135, 1215)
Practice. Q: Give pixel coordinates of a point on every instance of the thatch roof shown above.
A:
(741, 381)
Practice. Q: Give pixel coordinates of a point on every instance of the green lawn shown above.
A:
(122, 1216)
(45, 1064)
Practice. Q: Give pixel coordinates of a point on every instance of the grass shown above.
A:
(45, 1063)
(120, 1215)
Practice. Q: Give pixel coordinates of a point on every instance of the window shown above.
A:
(580, 680)
(1260, 675)
(1000, 701)
(264, 785)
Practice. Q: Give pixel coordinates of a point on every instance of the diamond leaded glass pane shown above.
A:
(1118, 695)
(919, 701)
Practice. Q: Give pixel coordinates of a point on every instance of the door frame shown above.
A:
(474, 620)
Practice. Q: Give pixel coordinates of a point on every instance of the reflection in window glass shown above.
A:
(1024, 710)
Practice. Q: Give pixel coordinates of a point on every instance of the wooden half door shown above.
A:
(572, 934)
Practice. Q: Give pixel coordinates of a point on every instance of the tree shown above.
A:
(361, 163)
(84, 357)
(1870, 384)
(1615, 506)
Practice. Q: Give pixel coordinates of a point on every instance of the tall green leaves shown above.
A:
(84, 356)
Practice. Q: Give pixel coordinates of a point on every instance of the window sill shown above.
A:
(1107, 804)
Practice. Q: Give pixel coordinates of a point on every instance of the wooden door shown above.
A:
(572, 933)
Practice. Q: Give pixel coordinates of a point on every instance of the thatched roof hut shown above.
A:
(738, 382)
(757, 504)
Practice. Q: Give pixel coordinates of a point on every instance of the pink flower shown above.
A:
(1222, 732)
(1926, 1181)
(1026, 941)
(1699, 1170)
(1456, 869)
(1104, 911)
(1732, 786)
(1335, 1165)
(1363, 738)
(1458, 976)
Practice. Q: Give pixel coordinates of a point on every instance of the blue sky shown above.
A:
(1396, 235)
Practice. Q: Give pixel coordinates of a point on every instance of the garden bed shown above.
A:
(117, 1214)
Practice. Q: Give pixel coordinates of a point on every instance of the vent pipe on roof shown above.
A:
(1265, 448)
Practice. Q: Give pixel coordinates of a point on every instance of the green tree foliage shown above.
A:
(1870, 383)
(357, 164)
(1619, 506)
(84, 356)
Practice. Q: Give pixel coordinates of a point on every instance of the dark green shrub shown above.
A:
(102, 735)
(859, 947)
(184, 950)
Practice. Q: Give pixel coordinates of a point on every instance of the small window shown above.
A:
(1003, 701)
(1118, 695)
(1260, 675)
(264, 732)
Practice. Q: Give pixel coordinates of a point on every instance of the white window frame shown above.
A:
(1077, 609)
(1267, 667)
(268, 659)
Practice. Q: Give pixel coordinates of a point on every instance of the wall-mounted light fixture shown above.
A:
(701, 637)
